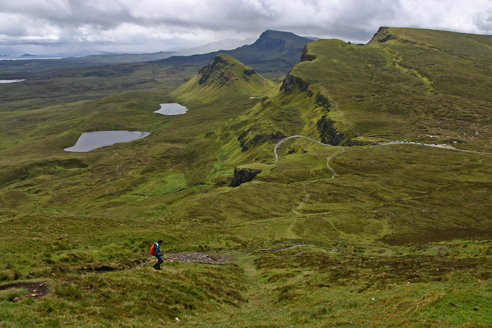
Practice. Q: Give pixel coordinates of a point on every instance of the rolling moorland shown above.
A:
(357, 231)
(51, 82)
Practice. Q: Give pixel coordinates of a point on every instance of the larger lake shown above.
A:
(171, 109)
(10, 81)
(92, 140)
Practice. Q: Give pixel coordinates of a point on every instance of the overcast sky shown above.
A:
(53, 26)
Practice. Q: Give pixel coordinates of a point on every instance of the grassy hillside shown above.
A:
(224, 79)
(355, 232)
(392, 89)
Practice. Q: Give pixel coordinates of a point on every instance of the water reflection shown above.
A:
(98, 139)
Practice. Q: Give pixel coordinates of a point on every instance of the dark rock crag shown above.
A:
(291, 81)
(243, 175)
(382, 35)
(330, 135)
(244, 141)
(322, 101)
(305, 56)
(214, 72)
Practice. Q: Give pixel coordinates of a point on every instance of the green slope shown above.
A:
(397, 89)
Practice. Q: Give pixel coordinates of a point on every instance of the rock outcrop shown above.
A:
(216, 72)
(243, 175)
(305, 56)
(328, 133)
(322, 101)
(382, 35)
(291, 81)
(247, 141)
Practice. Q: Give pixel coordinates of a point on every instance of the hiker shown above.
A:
(157, 253)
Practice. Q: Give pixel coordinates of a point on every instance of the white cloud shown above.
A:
(144, 24)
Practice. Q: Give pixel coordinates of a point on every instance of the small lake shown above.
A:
(92, 140)
(171, 109)
(10, 81)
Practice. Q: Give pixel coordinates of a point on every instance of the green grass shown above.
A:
(399, 237)
(45, 89)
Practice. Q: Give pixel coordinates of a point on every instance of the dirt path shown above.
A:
(328, 162)
(296, 136)
(260, 299)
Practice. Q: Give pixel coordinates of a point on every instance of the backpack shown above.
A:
(152, 249)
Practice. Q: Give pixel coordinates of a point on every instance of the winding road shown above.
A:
(396, 142)
(296, 136)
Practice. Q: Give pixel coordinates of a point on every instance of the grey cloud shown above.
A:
(167, 23)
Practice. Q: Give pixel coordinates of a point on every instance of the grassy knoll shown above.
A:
(400, 236)
(223, 79)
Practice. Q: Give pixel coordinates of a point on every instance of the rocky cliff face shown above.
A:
(328, 133)
(216, 72)
(243, 175)
(322, 101)
(259, 138)
(305, 56)
(382, 35)
(291, 81)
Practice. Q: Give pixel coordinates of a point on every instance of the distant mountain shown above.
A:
(273, 54)
(226, 44)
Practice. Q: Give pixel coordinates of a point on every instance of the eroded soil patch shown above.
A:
(198, 257)
(34, 289)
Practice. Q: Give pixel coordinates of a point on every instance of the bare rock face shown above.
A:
(216, 72)
(305, 56)
(328, 133)
(242, 176)
(291, 81)
(322, 101)
(249, 72)
(382, 35)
